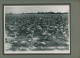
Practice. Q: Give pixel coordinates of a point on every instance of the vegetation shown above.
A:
(32, 31)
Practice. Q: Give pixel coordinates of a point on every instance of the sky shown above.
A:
(36, 8)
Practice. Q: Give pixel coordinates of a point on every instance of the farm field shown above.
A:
(36, 32)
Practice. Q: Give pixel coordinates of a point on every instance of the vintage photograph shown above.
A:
(36, 29)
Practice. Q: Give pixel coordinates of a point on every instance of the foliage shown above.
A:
(48, 28)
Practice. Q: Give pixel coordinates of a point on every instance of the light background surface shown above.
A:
(36, 8)
(75, 28)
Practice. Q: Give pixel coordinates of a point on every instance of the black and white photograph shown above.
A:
(36, 29)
